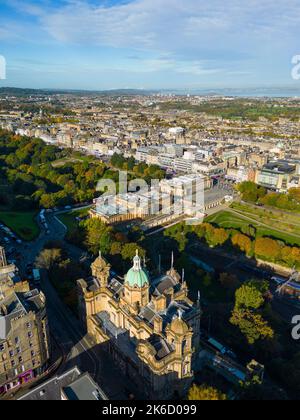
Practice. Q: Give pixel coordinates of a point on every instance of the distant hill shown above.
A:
(259, 92)
(10, 91)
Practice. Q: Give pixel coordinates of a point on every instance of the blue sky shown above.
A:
(108, 44)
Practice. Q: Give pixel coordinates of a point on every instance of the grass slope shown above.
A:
(228, 220)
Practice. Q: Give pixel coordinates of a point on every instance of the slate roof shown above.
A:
(161, 347)
(16, 305)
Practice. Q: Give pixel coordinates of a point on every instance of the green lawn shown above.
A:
(22, 224)
(69, 219)
(228, 220)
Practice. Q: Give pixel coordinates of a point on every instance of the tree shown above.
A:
(205, 393)
(229, 281)
(216, 236)
(294, 194)
(48, 258)
(288, 370)
(116, 248)
(248, 297)
(207, 280)
(178, 233)
(98, 236)
(118, 161)
(106, 241)
(251, 325)
(267, 248)
(246, 316)
(242, 242)
(251, 191)
(129, 251)
(48, 201)
(291, 256)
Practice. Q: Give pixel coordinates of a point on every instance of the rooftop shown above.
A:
(72, 385)
(83, 389)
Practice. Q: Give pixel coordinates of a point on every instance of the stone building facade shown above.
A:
(24, 336)
(150, 326)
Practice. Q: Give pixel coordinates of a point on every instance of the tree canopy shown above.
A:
(205, 393)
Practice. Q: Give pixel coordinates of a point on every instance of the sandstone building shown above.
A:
(24, 337)
(150, 326)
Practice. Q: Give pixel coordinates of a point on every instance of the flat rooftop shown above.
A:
(72, 386)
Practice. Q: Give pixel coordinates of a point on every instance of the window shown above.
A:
(30, 334)
(17, 340)
(2, 347)
(11, 353)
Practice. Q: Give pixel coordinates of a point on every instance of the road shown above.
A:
(57, 232)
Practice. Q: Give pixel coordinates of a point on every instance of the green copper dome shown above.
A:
(136, 276)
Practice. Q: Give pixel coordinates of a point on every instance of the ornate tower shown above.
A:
(179, 335)
(101, 271)
(136, 287)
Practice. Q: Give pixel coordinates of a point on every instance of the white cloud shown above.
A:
(196, 36)
(156, 23)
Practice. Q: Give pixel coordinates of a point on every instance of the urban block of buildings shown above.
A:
(169, 200)
(181, 142)
(24, 335)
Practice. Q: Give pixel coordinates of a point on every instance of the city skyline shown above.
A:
(97, 45)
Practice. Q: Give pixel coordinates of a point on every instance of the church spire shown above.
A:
(199, 299)
(159, 264)
(172, 272)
